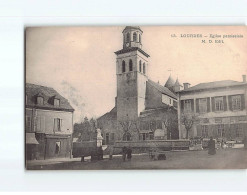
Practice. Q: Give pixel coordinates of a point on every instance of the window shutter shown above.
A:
(208, 104)
(227, 131)
(213, 104)
(215, 131)
(182, 105)
(233, 131)
(197, 105)
(199, 130)
(242, 102)
(192, 105)
(210, 130)
(55, 124)
(230, 102)
(225, 104)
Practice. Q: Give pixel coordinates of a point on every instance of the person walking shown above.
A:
(124, 151)
(211, 146)
(129, 153)
(111, 150)
(245, 142)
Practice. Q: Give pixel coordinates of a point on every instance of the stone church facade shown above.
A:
(144, 109)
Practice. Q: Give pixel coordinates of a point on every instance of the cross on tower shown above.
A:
(170, 70)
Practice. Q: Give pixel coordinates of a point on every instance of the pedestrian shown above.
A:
(124, 151)
(111, 150)
(129, 153)
(245, 142)
(211, 146)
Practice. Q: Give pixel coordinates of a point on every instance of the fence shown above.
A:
(160, 144)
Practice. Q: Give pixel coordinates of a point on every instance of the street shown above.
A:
(224, 159)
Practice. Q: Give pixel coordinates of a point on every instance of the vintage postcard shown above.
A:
(136, 97)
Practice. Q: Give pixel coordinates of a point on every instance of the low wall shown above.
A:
(160, 144)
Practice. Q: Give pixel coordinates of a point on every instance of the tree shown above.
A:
(171, 123)
(188, 120)
(128, 125)
(85, 131)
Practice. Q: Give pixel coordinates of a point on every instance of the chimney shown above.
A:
(244, 78)
(186, 86)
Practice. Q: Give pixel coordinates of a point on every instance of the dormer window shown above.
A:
(56, 102)
(40, 100)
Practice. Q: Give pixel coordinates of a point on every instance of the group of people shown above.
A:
(126, 152)
(212, 149)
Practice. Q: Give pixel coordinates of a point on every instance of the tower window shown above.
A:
(128, 37)
(134, 37)
(130, 65)
(140, 38)
(140, 66)
(144, 68)
(123, 66)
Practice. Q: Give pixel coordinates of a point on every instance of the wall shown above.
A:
(47, 121)
(211, 115)
(153, 97)
(131, 87)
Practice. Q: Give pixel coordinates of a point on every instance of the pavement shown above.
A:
(224, 159)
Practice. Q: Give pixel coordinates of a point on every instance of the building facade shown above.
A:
(48, 123)
(219, 109)
(141, 104)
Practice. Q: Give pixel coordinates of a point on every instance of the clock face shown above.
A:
(127, 44)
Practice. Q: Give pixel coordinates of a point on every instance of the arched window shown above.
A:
(134, 36)
(140, 66)
(144, 68)
(128, 37)
(130, 65)
(139, 38)
(127, 137)
(123, 66)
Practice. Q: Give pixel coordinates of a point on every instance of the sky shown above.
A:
(79, 62)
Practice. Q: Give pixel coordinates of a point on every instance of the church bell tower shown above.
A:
(132, 75)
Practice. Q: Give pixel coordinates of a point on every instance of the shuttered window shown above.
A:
(205, 131)
(28, 124)
(236, 102)
(219, 106)
(57, 124)
(203, 105)
(40, 124)
(187, 106)
(220, 130)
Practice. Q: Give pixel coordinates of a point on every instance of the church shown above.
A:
(144, 109)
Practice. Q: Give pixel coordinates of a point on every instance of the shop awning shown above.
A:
(30, 138)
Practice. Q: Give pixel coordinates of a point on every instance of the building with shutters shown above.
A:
(142, 106)
(219, 108)
(48, 123)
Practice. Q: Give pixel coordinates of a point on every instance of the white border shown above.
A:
(14, 17)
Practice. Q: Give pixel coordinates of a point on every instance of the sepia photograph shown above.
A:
(135, 97)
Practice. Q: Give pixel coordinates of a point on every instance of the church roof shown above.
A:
(170, 82)
(126, 50)
(132, 27)
(162, 89)
(216, 84)
(156, 112)
(177, 83)
(112, 115)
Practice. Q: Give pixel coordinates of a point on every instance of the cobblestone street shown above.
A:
(224, 159)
